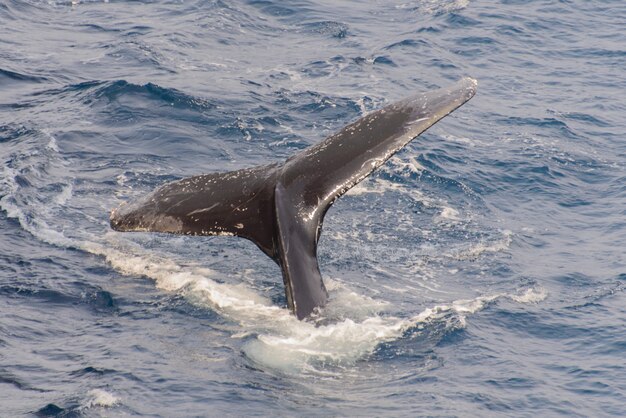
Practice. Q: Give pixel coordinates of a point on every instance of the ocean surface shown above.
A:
(480, 272)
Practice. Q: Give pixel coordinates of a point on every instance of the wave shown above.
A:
(15, 76)
(96, 92)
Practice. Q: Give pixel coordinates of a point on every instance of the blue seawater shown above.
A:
(480, 272)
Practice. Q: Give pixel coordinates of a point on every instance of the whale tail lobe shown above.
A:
(281, 207)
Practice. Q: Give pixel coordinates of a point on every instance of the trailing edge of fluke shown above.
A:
(281, 206)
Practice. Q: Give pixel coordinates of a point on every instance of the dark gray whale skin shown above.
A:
(281, 207)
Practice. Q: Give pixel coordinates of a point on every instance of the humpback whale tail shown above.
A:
(281, 207)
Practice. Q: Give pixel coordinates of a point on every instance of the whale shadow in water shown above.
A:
(281, 206)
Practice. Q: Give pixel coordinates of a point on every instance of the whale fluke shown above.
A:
(281, 207)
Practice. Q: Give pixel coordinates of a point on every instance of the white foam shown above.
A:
(476, 250)
(33, 224)
(531, 295)
(377, 186)
(448, 214)
(101, 398)
(396, 166)
(404, 166)
(436, 6)
(302, 346)
(345, 302)
(52, 142)
(298, 344)
(350, 327)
